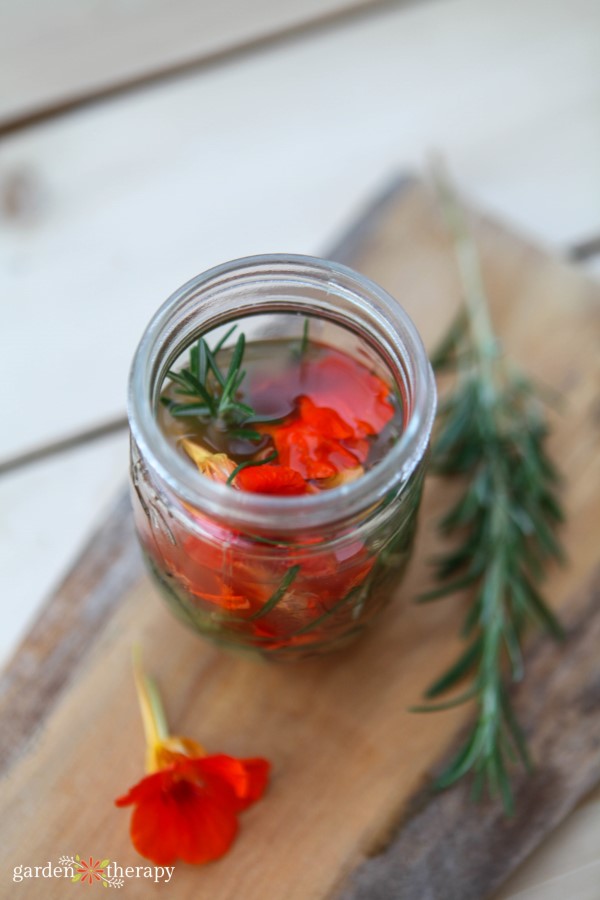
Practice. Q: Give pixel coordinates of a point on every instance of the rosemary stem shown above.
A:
(483, 340)
(491, 435)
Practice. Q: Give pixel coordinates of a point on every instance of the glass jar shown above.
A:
(290, 576)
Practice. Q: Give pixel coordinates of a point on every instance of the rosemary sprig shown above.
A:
(212, 392)
(491, 432)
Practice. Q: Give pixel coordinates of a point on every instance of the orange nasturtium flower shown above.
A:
(187, 806)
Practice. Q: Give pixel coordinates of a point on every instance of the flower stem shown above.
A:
(153, 715)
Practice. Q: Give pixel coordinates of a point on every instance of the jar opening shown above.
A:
(283, 287)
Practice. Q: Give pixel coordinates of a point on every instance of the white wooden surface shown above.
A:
(105, 210)
(52, 54)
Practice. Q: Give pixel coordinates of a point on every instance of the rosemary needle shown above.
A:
(490, 432)
(305, 338)
(251, 463)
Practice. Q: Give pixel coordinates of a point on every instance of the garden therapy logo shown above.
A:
(93, 871)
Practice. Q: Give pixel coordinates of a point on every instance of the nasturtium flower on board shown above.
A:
(187, 805)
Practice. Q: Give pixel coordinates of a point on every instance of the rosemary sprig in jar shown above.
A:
(211, 392)
(491, 432)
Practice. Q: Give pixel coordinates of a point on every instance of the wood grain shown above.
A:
(446, 848)
(348, 757)
(56, 56)
(65, 629)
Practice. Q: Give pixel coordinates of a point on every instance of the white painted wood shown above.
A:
(592, 266)
(46, 515)
(120, 203)
(582, 884)
(567, 865)
(53, 53)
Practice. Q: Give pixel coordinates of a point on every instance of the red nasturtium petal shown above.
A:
(246, 777)
(304, 448)
(336, 381)
(177, 818)
(361, 398)
(188, 811)
(269, 479)
(326, 421)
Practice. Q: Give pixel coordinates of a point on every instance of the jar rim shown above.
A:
(261, 511)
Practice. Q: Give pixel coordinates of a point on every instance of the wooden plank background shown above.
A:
(55, 55)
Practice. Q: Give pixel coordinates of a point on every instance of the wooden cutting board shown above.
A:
(349, 812)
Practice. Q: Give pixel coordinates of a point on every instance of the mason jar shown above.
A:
(281, 576)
